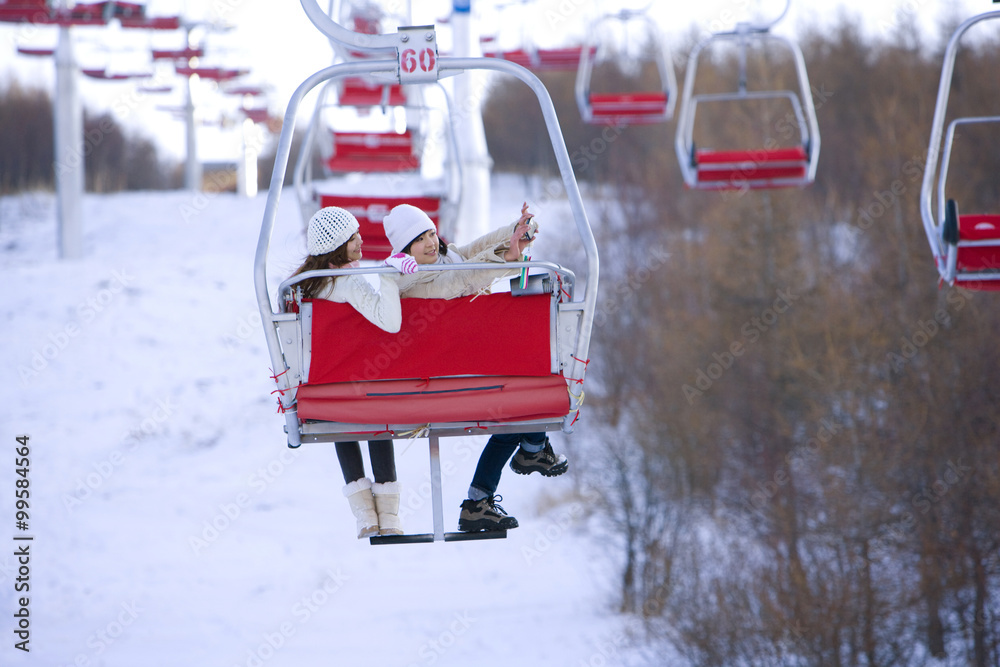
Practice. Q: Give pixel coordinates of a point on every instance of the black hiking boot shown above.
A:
(544, 461)
(485, 514)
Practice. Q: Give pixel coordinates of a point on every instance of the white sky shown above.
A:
(275, 40)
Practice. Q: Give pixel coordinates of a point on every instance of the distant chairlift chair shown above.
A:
(770, 165)
(632, 107)
(339, 378)
(966, 247)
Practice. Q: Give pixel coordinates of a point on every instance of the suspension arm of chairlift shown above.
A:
(934, 150)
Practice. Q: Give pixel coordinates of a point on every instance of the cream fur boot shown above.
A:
(387, 505)
(359, 495)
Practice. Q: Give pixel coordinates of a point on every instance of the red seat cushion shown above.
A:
(361, 93)
(485, 358)
(495, 334)
(766, 167)
(634, 106)
(462, 399)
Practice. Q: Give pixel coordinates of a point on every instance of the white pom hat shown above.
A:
(405, 223)
(330, 228)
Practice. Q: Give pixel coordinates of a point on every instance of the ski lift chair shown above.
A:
(768, 166)
(966, 247)
(531, 381)
(370, 172)
(634, 107)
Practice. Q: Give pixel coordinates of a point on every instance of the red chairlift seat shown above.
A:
(453, 361)
(178, 54)
(35, 51)
(547, 60)
(630, 108)
(373, 152)
(760, 168)
(369, 210)
(213, 73)
(357, 92)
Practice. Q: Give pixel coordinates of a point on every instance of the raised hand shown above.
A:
(402, 262)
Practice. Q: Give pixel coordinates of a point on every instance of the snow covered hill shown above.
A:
(171, 524)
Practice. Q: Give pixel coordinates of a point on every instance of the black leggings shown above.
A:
(380, 452)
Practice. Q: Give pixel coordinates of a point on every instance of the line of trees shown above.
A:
(799, 440)
(113, 158)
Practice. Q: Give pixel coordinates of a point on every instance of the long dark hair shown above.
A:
(312, 286)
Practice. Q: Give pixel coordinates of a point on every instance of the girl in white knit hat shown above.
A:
(333, 242)
(413, 234)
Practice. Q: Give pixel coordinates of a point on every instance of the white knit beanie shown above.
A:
(405, 223)
(330, 228)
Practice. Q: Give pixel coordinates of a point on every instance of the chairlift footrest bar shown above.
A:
(429, 537)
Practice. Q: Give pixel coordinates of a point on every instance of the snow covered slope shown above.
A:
(171, 524)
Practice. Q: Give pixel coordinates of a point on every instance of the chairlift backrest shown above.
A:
(768, 164)
(966, 247)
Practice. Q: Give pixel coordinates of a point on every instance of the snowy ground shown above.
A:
(171, 524)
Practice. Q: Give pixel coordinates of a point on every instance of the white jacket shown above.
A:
(452, 284)
(381, 307)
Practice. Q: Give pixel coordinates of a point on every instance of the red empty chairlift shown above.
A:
(966, 247)
(614, 32)
(766, 166)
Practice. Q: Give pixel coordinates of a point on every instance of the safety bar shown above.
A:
(931, 227)
(568, 277)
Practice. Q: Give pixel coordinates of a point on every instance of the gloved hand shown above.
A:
(402, 262)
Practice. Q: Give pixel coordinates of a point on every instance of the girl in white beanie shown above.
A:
(412, 233)
(333, 242)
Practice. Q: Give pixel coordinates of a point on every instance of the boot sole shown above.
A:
(485, 525)
(554, 471)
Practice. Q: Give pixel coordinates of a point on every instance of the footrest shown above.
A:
(429, 537)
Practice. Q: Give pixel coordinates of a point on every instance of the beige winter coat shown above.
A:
(453, 284)
(381, 307)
